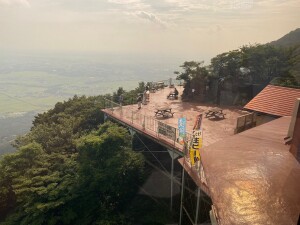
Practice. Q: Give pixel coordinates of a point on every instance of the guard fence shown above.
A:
(148, 124)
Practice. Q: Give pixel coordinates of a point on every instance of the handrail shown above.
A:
(151, 125)
(146, 123)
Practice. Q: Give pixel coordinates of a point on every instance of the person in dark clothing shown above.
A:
(173, 94)
(139, 100)
(121, 99)
(176, 93)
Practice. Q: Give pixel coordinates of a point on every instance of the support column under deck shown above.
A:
(181, 198)
(197, 207)
(173, 157)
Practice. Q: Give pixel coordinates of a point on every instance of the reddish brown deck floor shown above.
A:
(213, 130)
(253, 178)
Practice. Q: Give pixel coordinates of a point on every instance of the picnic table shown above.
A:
(215, 112)
(164, 112)
(172, 96)
(152, 90)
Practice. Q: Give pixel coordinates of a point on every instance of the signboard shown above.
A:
(181, 130)
(166, 130)
(196, 144)
(198, 122)
(197, 140)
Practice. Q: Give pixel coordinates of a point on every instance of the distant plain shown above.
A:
(34, 90)
(31, 84)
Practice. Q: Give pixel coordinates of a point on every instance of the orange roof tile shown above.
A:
(274, 100)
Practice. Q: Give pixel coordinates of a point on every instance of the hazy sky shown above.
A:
(183, 28)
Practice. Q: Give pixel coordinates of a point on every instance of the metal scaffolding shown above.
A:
(139, 124)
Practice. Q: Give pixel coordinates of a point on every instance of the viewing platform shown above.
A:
(250, 177)
(144, 119)
(149, 122)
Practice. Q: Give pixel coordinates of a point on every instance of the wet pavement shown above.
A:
(253, 178)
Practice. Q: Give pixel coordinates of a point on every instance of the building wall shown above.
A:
(295, 145)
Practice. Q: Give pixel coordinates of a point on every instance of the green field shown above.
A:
(32, 90)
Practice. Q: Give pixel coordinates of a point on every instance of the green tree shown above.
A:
(195, 76)
(265, 62)
(42, 184)
(85, 110)
(262, 63)
(67, 172)
(92, 185)
(253, 64)
(110, 171)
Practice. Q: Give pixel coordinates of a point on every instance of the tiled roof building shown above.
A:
(275, 100)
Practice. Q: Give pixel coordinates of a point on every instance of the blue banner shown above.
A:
(182, 130)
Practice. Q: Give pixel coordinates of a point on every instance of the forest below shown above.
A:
(75, 168)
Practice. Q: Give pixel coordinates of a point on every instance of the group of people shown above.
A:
(143, 97)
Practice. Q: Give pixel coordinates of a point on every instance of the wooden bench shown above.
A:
(164, 112)
(172, 96)
(152, 90)
(215, 112)
(168, 114)
(220, 115)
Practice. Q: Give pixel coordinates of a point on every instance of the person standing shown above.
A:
(139, 100)
(121, 99)
(144, 101)
(176, 93)
(148, 95)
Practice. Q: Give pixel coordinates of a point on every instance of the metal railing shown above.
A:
(245, 122)
(145, 123)
(151, 125)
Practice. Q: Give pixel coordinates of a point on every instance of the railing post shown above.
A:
(197, 206)
(181, 197)
(175, 136)
(157, 133)
(172, 177)
(144, 122)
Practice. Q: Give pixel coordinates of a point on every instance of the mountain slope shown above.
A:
(289, 40)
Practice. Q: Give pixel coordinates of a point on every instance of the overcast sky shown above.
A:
(185, 28)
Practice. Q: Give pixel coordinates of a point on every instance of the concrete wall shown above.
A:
(295, 145)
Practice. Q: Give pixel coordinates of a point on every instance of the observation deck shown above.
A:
(251, 177)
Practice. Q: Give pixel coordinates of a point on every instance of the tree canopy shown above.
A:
(237, 69)
(66, 170)
(195, 76)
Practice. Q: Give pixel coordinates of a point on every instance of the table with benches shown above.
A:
(152, 90)
(215, 113)
(172, 96)
(165, 112)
